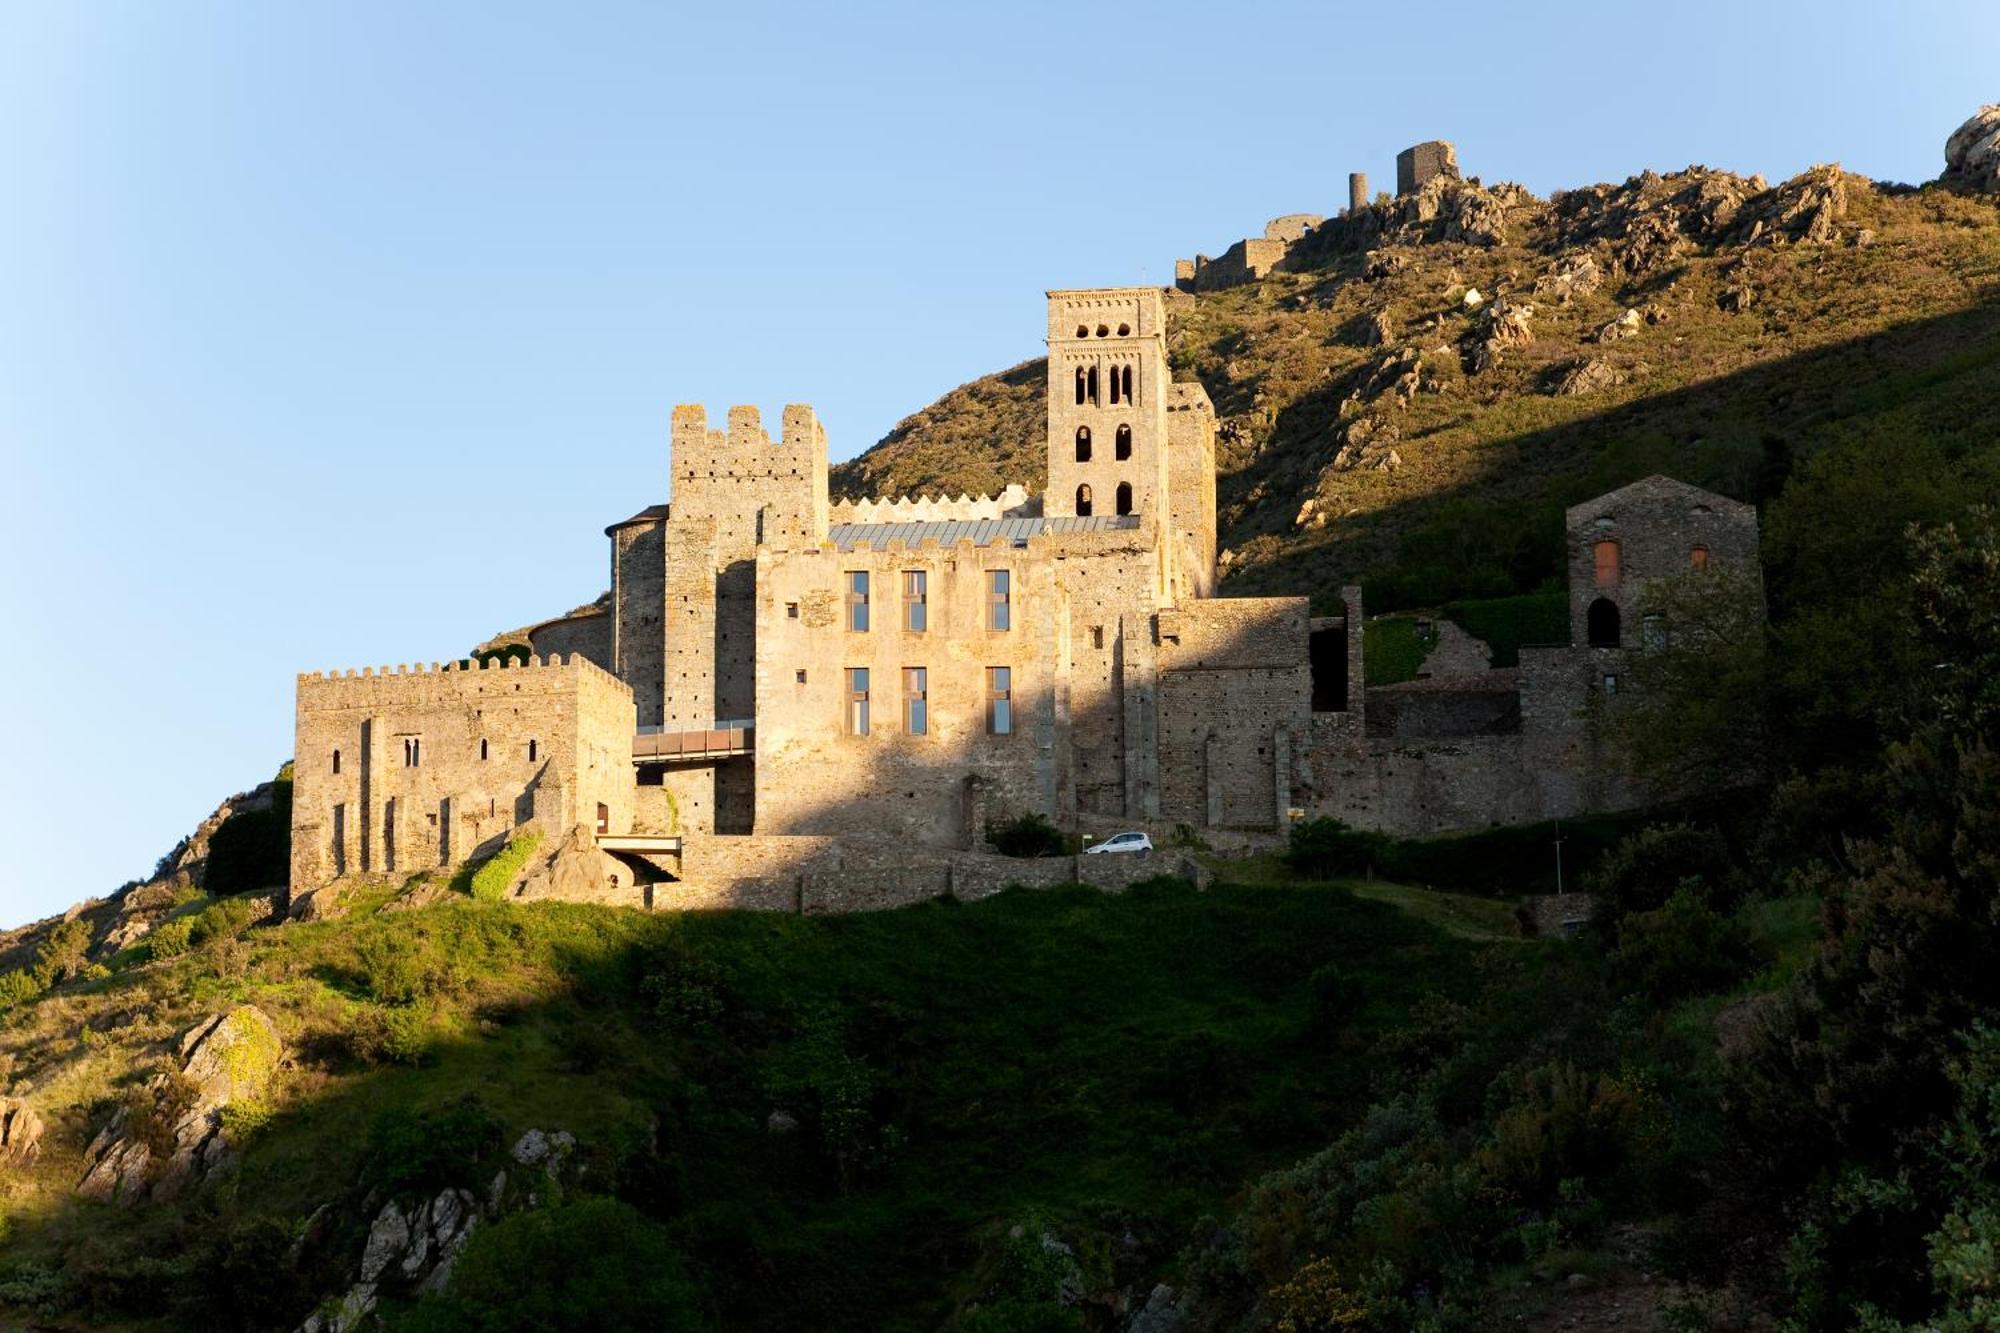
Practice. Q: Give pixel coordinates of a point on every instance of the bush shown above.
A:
(224, 920)
(1324, 848)
(421, 1150)
(1028, 835)
(1683, 948)
(63, 954)
(171, 939)
(594, 1266)
(1660, 860)
(488, 880)
(17, 988)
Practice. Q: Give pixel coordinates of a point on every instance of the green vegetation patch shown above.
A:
(488, 880)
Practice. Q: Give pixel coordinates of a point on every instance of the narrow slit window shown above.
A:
(482, 749)
(857, 701)
(534, 750)
(999, 599)
(916, 592)
(1081, 381)
(916, 705)
(336, 763)
(1126, 372)
(857, 601)
(999, 701)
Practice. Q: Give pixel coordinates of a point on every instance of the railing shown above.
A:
(734, 736)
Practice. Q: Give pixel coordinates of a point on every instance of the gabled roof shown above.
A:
(1657, 487)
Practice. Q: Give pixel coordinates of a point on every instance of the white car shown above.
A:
(1122, 842)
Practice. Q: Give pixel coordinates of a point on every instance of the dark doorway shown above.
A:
(1601, 623)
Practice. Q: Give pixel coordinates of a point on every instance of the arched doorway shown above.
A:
(1601, 623)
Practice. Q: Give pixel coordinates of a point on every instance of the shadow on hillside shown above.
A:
(1107, 1062)
(1739, 434)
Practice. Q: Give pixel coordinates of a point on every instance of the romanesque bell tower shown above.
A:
(1107, 403)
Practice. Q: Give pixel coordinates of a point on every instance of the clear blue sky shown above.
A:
(333, 334)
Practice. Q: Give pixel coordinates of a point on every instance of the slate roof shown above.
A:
(982, 532)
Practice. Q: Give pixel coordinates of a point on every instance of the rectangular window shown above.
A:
(1611, 685)
(857, 701)
(916, 706)
(791, 610)
(916, 614)
(999, 701)
(857, 600)
(999, 599)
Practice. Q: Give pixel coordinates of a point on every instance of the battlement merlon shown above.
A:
(1106, 312)
(800, 434)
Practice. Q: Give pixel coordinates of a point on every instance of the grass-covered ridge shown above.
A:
(1094, 1065)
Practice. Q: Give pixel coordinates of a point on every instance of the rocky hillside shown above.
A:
(1438, 376)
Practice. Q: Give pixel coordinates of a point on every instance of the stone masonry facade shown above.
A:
(793, 704)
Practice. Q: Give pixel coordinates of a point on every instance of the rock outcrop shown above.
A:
(413, 1245)
(575, 871)
(1972, 153)
(20, 1133)
(170, 1135)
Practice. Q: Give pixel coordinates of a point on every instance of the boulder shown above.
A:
(1626, 325)
(325, 903)
(1972, 153)
(20, 1133)
(1575, 274)
(576, 872)
(1587, 377)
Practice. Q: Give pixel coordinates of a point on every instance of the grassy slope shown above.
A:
(1061, 1055)
(1893, 338)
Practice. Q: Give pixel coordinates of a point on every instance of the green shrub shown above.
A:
(1660, 860)
(599, 1265)
(1028, 835)
(223, 920)
(413, 1151)
(1683, 948)
(1325, 848)
(1391, 651)
(686, 989)
(18, 987)
(1507, 624)
(488, 880)
(171, 939)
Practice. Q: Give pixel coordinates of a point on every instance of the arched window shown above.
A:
(336, 761)
(1103, 331)
(1083, 444)
(1698, 558)
(1081, 381)
(1121, 444)
(1601, 623)
(1124, 330)
(482, 748)
(1127, 374)
(1124, 497)
(1604, 560)
(533, 750)
(1083, 501)
(1093, 386)
(1083, 330)
(1114, 386)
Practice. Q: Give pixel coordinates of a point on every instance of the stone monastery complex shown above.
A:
(803, 705)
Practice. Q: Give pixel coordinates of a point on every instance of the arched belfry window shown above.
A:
(1114, 386)
(1124, 497)
(1601, 623)
(1126, 374)
(1093, 386)
(1083, 444)
(1083, 501)
(1081, 381)
(1121, 444)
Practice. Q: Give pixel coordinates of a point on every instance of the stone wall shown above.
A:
(638, 610)
(1235, 690)
(422, 769)
(1191, 492)
(1655, 527)
(1487, 704)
